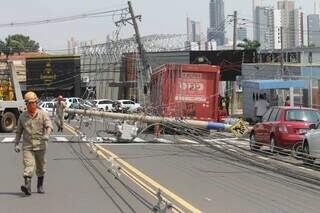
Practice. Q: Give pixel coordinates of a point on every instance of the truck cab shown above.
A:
(11, 101)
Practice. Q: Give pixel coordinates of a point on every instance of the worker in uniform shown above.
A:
(59, 108)
(36, 127)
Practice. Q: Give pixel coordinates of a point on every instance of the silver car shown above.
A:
(311, 143)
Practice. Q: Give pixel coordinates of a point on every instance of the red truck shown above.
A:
(190, 91)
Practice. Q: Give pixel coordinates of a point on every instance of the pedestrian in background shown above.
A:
(59, 108)
(35, 126)
(287, 102)
(227, 102)
(260, 107)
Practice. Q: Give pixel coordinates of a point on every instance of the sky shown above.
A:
(158, 17)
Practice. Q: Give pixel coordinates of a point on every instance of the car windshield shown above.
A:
(303, 115)
(50, 105)
(128, 102)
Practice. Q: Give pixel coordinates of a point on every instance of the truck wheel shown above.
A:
(8, 122)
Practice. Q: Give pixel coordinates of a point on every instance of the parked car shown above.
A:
(129, 105)
(104, 104)
(118, 107)
(311, 143)
(47, 106)
(72, 100)
(283, 127)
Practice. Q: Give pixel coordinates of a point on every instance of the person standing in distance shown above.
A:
(36, 127)
(287, 102)
(59, 108)
(260, 107)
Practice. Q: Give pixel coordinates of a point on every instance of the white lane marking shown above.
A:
(54, 135)
(150, 144)
(62, 139)
(162, 140)
(115, 140)
(7, 140)
(138, 140)
(263, 158)
(306, 168)
(188, 141)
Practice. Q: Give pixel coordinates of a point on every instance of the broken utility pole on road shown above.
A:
(144, 75)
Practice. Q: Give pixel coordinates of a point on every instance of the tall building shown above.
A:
(255, 4)
(264, 31)
(276, 29)
(193, 30)
(268, 27)
(216, 30)
(242, 33)
(316, 7)
(313, 25)
(298, 31)
(287, 22)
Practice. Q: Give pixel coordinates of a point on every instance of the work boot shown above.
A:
(40, 185)
(26, 188)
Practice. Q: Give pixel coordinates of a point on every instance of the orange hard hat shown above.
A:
(31, 97)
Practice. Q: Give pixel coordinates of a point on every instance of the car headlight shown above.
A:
(302, 131)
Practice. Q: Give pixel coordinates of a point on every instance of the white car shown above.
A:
(47, 106)
(311, 143)
(104, 104)
(130, 105)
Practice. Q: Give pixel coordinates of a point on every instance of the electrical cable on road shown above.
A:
(242, 158)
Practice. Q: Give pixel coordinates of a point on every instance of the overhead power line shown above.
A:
(67, 18)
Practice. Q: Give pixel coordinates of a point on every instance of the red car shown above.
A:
(283, 127)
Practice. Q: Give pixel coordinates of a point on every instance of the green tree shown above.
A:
(249, 45)
(18, 43)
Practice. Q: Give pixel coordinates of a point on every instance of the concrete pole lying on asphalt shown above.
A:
(150, 119)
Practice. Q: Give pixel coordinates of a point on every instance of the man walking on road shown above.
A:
(59, 108)
(36, 127)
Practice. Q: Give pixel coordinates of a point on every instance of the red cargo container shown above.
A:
(190, 91)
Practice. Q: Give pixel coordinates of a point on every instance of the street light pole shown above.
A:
(281, 58)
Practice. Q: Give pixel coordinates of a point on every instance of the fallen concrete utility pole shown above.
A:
(150, 119)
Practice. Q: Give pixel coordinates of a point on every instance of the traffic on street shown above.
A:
(122, 120)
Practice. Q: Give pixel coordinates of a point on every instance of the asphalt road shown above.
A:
(213, 183)
(78, 181)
